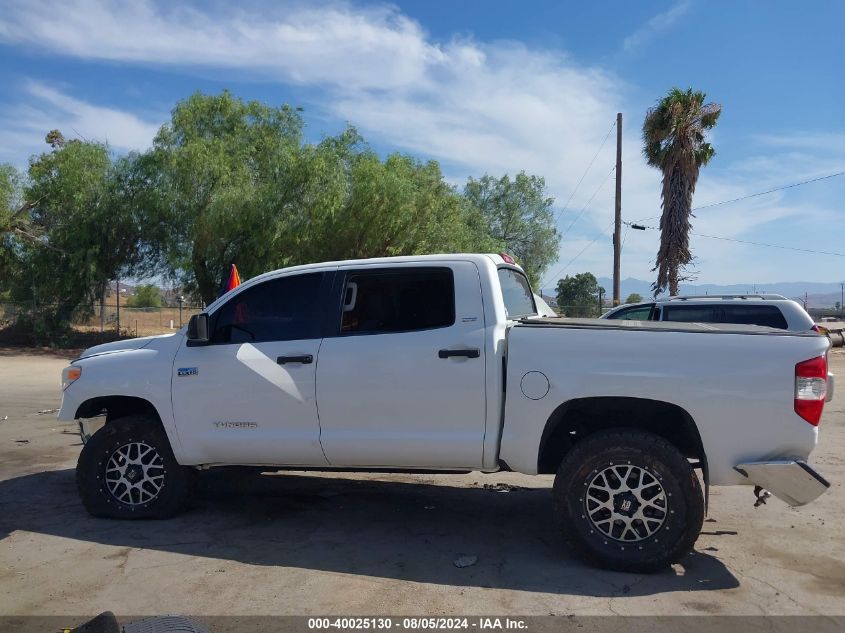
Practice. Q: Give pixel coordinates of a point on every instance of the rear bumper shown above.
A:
(792, 481)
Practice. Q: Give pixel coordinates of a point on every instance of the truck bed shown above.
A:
(738, 389)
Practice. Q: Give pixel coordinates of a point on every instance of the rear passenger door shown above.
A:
(401, 375)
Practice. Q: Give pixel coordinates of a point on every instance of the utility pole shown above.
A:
(617, 222)
(842, 300)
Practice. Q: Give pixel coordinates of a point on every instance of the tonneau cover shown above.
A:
(657, 326)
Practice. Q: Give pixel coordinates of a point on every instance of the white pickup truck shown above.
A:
(441, 363)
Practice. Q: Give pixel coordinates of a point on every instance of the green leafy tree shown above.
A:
(519, 215)
(13, 224)
(401, 206)
(210, 170)
(11, 203)
(578, 296)
(674, 142)
(146, 296)
(74, 231)
(634, 297)
(233, 182)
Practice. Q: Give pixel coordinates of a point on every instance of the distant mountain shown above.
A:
(819, 294)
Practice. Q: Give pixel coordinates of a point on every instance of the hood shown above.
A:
(121, 346)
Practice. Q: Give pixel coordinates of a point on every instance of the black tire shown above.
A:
(165, 483)
(649, 545)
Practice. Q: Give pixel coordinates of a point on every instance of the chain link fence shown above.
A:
(106, 321)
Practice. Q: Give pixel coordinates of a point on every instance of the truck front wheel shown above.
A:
(628, 500)
(127, 470)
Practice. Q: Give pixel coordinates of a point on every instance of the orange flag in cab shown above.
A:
(234, 279)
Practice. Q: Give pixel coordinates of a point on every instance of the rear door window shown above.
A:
(398, 300)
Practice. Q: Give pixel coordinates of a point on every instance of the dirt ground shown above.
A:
(379, 544)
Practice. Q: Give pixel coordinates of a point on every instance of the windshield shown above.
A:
(516, 291)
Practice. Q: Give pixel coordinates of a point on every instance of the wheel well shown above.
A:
(115, 407)
(574, 420)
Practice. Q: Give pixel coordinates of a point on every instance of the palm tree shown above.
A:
(673, 141)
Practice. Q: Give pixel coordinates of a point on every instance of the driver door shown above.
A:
(248, 397)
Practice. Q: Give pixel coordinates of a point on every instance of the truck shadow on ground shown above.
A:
(409, 530)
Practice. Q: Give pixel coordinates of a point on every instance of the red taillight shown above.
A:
(815, 328)
(811, 388)
(507, 258)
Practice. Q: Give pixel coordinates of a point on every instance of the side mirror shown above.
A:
(198, 330)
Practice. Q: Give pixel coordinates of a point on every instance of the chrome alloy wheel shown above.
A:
(135, 473)
(626, 503)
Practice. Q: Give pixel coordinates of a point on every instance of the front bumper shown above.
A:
(792, 481)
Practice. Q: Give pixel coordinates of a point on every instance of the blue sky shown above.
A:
(483, 87)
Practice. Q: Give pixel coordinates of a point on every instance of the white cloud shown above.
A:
(376, 48)
(476, 106)
(656, 25)
(816, 141)
(118, 128)
(24, 126)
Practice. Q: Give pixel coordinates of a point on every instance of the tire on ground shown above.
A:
(159, 485)
(603, 460)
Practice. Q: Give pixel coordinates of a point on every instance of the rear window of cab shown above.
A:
(517, 294)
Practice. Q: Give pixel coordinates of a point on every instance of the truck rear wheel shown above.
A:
(628, 500)
(127, 470)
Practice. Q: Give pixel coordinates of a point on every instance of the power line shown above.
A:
(763, 193)
(581, 252)
(592, 197)
(595, 193)
(760, 193)
(752, 243)
(572, 195)
(788, 248)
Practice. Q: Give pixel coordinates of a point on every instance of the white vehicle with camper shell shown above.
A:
(441, 362)
(769, 310)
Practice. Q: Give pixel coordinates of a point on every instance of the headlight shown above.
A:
(70, 375)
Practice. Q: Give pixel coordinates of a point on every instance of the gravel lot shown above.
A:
(310, 543)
